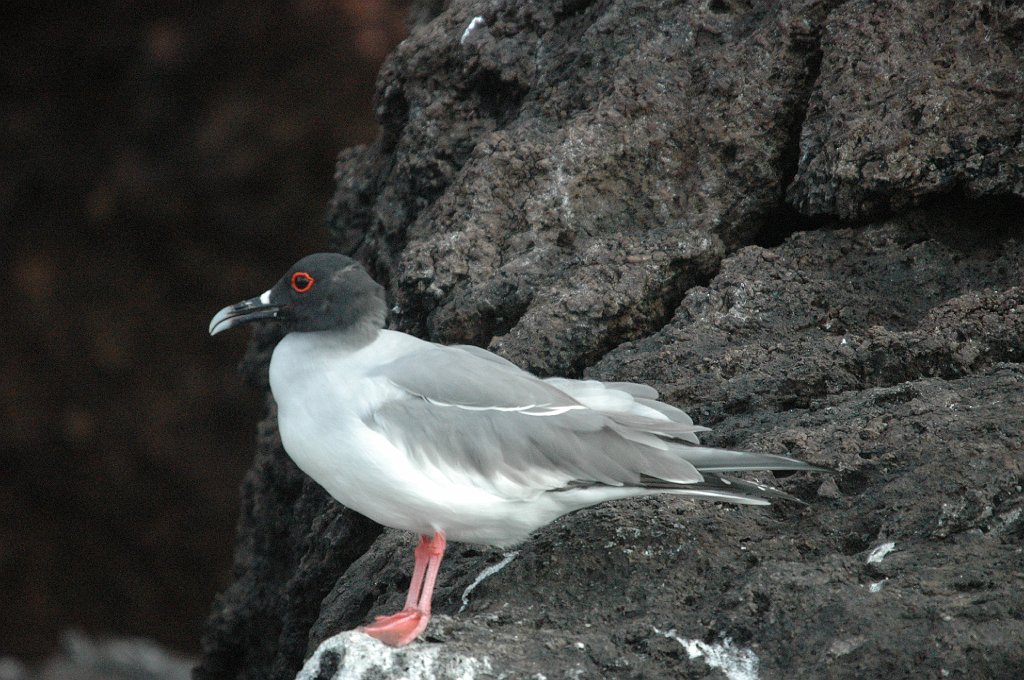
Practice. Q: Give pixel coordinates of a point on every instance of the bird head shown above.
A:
(321, 292)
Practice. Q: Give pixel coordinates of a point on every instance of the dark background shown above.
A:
(158, 160)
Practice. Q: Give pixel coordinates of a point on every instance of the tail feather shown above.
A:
(724, 487)
(712, 463)
(716, 495)
(707, 459)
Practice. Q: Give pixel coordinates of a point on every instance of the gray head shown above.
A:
(321, 292)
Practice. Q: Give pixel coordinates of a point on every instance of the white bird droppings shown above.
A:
(734, 662)
(879, 553)
(486, 573)
(876, 587)
(361, 656)
(476, 23)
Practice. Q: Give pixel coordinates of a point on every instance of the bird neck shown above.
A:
(350, 338)
(302, 356)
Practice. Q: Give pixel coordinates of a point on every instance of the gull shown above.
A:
(455, 442)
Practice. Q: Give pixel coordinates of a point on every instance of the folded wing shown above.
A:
(469, 411)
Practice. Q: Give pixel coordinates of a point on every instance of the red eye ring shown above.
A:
(302, 282)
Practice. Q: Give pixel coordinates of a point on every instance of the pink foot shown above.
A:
(402, 628)
(398, 629)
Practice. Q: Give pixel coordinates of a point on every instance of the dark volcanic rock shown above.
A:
(599, 188)
(914, 99)
(557, 177)
(925, 294)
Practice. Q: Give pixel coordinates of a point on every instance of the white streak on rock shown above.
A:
(734, 662)
(476, 23)
(361, 656)
(879, 553)
(485, 574)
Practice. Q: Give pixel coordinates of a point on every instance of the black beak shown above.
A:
(246, 311)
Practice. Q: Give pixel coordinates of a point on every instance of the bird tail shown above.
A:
(713, 463)
(707, 459)
(723, 488)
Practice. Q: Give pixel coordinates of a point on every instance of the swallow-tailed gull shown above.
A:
(456, 443)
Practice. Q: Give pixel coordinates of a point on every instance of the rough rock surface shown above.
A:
(663, 193)
(914, 99)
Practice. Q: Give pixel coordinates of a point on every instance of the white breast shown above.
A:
(323, 394)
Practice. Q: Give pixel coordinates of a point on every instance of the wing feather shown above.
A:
(471, 412)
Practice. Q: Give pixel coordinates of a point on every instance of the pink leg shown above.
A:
(418, 569)
(402, 628)
(436, 551)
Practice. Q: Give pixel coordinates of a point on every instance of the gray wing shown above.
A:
(471, 378)
(471, 411)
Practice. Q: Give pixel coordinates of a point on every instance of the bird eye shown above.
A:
(302, 282)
